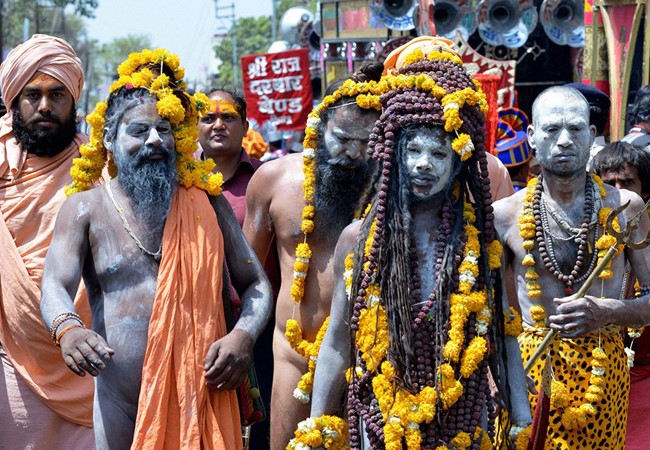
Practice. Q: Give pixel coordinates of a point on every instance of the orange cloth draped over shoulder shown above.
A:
(29, 202)
(176, 408)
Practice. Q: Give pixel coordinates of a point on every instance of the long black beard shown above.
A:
(44, 142)
(149, 184)
(338, 190)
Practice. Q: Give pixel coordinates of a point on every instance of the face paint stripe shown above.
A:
(223, 106)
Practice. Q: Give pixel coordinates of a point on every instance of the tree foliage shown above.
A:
(100, 65)
(253, 36)
(20, 19)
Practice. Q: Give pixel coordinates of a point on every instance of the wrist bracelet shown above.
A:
(65, 330)
(58, 320)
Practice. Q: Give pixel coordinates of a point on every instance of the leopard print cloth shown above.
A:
(571, 359)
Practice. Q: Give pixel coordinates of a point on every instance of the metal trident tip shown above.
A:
(624, 236)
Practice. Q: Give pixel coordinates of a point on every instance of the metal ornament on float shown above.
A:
(564, 21)
(279, 46)
(452, 17)
(296, 24)
(506, 22)
(424, 21)
(397, 15)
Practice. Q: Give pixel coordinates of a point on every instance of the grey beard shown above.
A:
(150, 185)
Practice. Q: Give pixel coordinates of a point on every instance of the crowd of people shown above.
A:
(387, 287)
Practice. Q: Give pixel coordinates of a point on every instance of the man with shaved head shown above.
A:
(554, 233)
(42, 404)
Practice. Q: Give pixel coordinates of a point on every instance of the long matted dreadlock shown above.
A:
(386, 257)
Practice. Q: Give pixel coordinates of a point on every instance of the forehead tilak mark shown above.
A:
(224, 106)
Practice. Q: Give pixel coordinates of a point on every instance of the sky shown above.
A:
(186, 28)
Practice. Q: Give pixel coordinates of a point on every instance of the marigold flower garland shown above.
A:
(452, 103)
(574, 414)
(513, 322)
(520, 436)
(329, 432)
(87, 169)
(367, 97)
(402, 411)
(527, 228)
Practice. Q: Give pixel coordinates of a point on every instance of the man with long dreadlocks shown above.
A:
(329, 176)
(555, 232)
(152, 247)
(417, 322)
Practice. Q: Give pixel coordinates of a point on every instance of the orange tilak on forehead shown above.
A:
(40, 80)
(223, 107)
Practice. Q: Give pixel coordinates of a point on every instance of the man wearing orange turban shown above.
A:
(42, 404)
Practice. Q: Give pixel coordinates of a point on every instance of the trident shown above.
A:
(622, 237)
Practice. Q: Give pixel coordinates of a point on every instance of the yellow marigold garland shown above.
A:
(403, 412)
(527, 227)
(513, 322)
(309, 350)
(633, 333)
(466, 301)
(573, 412)
(538, 316)
(367, 96)
(520, 436)
(373, 340)
(329, 432)
(607, 240)
(87, 169)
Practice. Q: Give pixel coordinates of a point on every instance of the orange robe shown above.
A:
(176, 408)
(30, 198)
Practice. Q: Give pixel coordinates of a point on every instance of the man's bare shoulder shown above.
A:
(284, 171)
(273, 179)
(84, 205)
(507, 209)
(349, 236)
(616, 197)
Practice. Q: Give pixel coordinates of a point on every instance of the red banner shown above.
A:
(278, 88)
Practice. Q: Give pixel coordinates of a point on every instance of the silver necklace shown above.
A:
(573, 232)
(120, 210)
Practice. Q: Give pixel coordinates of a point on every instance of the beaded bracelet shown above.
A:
(58, 320)
(65, 330)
